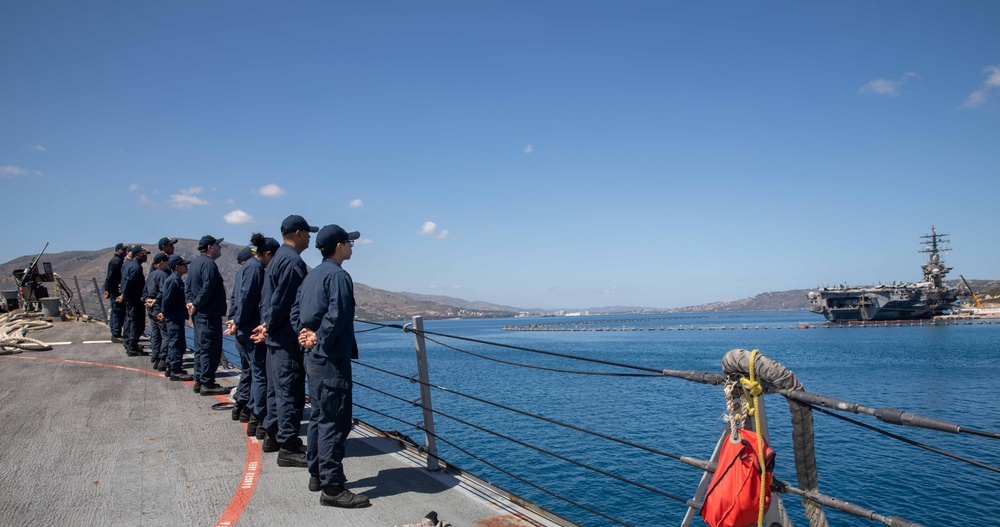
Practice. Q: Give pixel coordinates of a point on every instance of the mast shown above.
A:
(934, 269)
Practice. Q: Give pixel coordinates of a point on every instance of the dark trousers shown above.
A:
(246, 348)
(157, 338)
(258, 377)
(207, 346)
(176, 344)
(286, 395)
(116, 317)
(135, 322)
(330, 422)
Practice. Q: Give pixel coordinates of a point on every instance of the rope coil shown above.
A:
(14, 328)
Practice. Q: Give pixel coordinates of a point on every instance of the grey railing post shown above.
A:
(425, 393)
(100, 299)
(79, 295)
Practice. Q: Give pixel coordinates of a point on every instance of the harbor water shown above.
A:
(949, 372)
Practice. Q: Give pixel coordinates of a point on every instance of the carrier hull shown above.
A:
(911, 301)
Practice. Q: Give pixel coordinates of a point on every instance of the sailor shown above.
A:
(133, 284)
(166, 245)
(324, 314)
(157, 329)
(244, 316)
(206, 303)
(240, 412)
(112, 290)
(173, 313)
(285, 373)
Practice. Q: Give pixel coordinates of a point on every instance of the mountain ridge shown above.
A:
(380, 305)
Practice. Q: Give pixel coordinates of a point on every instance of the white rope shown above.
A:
(14, 328)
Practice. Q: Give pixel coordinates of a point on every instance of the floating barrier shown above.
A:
(595, 327)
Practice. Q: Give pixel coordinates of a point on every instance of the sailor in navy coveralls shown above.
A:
(173, 313)
(324, 315)
(113, 289)
(157, 329)
(133, 285)
(206, 296)
(286, 379)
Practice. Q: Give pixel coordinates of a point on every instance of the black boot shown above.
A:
(252, 426)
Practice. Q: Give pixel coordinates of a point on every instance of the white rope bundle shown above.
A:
(14, 328)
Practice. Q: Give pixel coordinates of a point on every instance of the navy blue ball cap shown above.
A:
(165, 241)
(160, 258)
(176, 260)
(296, 223)
(207, 240)
(137, 249)
(272, 245)
(244, 255)
(331, 235)
(121, 246)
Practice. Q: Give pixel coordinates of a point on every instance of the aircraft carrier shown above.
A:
(898, 301)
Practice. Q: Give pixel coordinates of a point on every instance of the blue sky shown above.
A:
(536, 154)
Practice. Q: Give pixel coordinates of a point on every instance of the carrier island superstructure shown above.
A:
(898, 301)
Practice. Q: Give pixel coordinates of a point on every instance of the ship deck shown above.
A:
(94, 437)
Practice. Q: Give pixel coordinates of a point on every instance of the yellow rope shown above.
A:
(754, 389)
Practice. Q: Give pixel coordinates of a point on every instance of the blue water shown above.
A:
(950, 373)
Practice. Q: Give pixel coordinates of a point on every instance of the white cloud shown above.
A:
(365, 241)
(356, 204)
(133, 186)
(11, 170)
(238, 217)
(978, 97)
(230, 201)
(879, 86)
(143, 200)
(886, 86)
(528, 149)
(271, 191)
(187, 198)
(428, 228)
(40, 148)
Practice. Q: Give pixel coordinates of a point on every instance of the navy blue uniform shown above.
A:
(286, 380)
(244, 311)
(173, 305)
(112, 286)
(157, 329)
(206, 291)
(325, 304)
(133, 284)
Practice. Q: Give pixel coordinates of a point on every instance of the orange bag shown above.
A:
(733, 497)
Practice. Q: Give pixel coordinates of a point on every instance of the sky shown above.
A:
(533, 154)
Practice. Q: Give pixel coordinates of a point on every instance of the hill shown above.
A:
(372, 303)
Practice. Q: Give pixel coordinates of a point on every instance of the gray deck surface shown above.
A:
(92, 444)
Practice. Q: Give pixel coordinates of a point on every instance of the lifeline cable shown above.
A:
(544, 368)
(908, 441)
(522, 348)
(697, 463)
(539, 449)
(888, 415)
(495, 467)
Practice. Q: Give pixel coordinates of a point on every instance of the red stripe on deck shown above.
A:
(251, 470)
